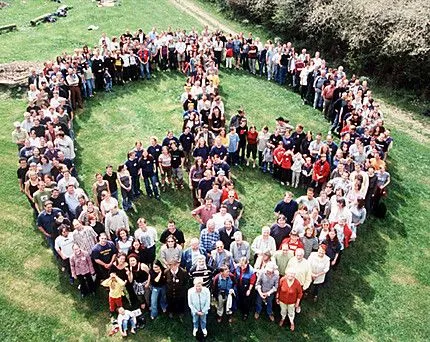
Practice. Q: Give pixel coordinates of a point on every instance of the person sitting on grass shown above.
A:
(125, 319)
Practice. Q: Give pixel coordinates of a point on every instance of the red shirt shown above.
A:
(224, 195)
(292, 246)
(278, 155)
(252, 138)
(321, 169)
(289, 294)
(287, 160)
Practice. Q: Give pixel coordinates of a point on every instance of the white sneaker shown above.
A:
(205, 332)
(194, 331)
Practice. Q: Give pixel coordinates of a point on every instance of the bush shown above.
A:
(386, 39)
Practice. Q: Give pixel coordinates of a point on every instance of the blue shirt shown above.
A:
(208, 240)
(233, 142)
(47, 221)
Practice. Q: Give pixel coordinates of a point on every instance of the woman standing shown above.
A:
(196, 174)
(251, 147)
(81, 267)
(333, 247)
(158, 288)
(123, 241)
(310, 242)
(246, 278)
(138, 276)
(165, 165)
(124, 180)
(320, 265)
(288, 297)
(99, 186)
(170, 251)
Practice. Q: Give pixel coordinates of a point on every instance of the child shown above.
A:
(287, 160)
(251, 147)
(278, 155)
(296, 169)
(126, 318)
(307, 170)
(116, 291)
(108, 80)
(267, 164)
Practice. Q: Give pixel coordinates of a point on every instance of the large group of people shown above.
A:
(90, 234)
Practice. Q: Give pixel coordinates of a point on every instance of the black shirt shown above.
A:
(177, 156)
(147, 166)
(186, 141)
(279, 233)
(21, 172)
(113, 186)
(177, 234)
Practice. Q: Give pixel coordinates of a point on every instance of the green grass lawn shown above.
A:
(381, 290)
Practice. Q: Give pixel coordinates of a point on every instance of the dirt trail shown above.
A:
(201, 15)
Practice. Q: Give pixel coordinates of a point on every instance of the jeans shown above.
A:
(281, 75)
(252, 63)
(127, 196)
(233, 158)
(114, 194)
(158, 294)
(89, 88)
(318, 99)
(268, 301)
(126, 323)
(135, 186)
(108, 83)
(144, 70)
(202, 319)
(151, 180)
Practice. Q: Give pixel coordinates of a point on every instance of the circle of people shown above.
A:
(292, 259)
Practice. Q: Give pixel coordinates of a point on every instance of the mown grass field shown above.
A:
(381, 290)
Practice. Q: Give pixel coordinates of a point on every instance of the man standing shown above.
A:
(266, 287)
(176, 280)
(199, 299)
(208, 237)
(224, 285)
(46, 223)
(287, 207)
(104, 254)
(234, 207)
(191, 254)
(147, 236)
(172, 230)
(205, 212)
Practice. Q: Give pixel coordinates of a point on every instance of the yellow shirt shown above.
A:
(116, 287)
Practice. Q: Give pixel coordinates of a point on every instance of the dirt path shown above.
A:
(201, 15)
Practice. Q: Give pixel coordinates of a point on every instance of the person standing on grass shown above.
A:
(176, 281)
(148, 172)
(288, 297)
(116, 292)
(133, 169)
(246, 278)
(224, 288)
(63, 246)
(204, 212)
(199, 300)
(81, 267)
(266, 287)
(125, 181)
(46, 224)
(104, 254)
(320, 265)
